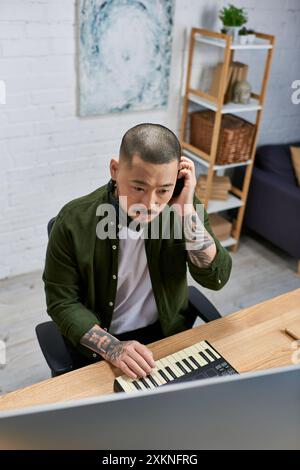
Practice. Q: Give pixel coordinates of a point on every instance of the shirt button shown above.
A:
(112, 223)
(114, 247)
(105, 329)
(94, 355)
(219, 281)
(120, 226)
(110, 304)
(114, 276)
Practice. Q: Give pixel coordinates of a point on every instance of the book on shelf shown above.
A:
(217, 75)
(237, 71)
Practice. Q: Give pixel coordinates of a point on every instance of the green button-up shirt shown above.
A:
(81, 272)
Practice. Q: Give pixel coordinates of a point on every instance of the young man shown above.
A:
(115, 279)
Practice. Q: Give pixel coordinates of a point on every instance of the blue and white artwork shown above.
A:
(125, 55)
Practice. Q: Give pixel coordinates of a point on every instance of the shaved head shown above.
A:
(153, 143)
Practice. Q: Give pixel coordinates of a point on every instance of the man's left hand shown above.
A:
(184, 202)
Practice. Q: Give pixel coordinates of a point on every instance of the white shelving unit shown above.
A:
(237, 197)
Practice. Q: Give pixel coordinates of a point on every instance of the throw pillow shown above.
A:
(295, 153)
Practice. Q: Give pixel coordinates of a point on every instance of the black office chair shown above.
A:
(57, 353)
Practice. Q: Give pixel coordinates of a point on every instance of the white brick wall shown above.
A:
(49, 156)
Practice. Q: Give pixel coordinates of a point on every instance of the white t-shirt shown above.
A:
(135, 305)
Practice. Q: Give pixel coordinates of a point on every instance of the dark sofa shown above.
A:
(273, 205)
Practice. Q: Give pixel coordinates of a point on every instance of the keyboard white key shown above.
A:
(186, 361)
(197, 356)
(203, 356)
(191, 354)
(140, 383)
(178, 360)
(166, 364)
(172, 361)
(157, 377)
(148, 382)
(214, 353)
(207, 354)
(126, 384)
(160, 367)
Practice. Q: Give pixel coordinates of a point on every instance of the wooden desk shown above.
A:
(250, 339)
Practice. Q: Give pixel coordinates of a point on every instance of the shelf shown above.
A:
(227, 108)
(217, 206)
(206, 163)
(228, 242)
(258, 44)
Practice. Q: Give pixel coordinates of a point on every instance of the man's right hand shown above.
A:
(132, 357)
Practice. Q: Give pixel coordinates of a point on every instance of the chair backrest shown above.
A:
(50, 225)
(51, 341)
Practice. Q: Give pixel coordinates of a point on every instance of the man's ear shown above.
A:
(114, 167)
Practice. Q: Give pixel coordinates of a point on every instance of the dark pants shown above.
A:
(146, 335)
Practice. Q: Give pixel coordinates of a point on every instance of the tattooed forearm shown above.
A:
(102, 343)
(200, 258)
(200, 245)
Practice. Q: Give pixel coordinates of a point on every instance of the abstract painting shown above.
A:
(124, 55)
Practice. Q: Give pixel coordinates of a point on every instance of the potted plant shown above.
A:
(233, 19)
(243, 36)
(251, 36)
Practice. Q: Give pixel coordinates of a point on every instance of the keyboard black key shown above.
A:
(168, 369)
(208, 356)
(178, 364)
(203, 356)
(144, 383)
(188, 365)
(191, 358)
(136, 385)
(212, 353)
(149, 377)
(164, 376)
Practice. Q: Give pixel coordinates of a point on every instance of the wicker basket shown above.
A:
(235, 140)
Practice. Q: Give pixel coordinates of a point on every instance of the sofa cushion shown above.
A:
(276, 159)
(295, 152)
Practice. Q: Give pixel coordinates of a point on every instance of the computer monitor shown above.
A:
(258, 410)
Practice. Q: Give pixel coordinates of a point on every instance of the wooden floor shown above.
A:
(260, 271)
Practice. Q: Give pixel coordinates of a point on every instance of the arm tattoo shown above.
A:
(198, 240)
(102, 343)
(200, 258)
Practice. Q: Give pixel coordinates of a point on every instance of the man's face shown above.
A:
(147, 186)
